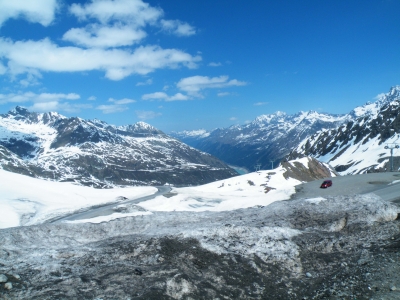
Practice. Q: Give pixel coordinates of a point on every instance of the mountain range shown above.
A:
(92, 152)
(330, 138)
(263, 142)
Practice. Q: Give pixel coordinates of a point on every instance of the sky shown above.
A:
(186, 65)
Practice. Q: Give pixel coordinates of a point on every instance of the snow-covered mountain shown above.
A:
(92, 152)
(363, 144)
(352, 143)
(264, 141)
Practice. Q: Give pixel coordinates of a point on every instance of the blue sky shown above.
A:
(183, 65)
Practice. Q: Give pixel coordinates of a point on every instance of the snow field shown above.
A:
(26, 201)
(233, 193)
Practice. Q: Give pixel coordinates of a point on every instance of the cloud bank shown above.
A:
(37, 11)
(110, 40)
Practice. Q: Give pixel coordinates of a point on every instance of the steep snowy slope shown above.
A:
(364, 144)
(95, 153)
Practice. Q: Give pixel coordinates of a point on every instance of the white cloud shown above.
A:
(122, 101)
(155, 96)
(37, 11)
(164, 96)
(110, 24)
(92, 98)
(57, 106)
(260, 103)
(135, 12)
(45, 102)
(48, 97)
(178, 97)
(104, 36)
(117, 106)
(121, 23)
(233, 119)
(193, 85)
(44, 55)
(145, 115)
(31, 79)
(3, 69)
(214, 64)
(177, 27)
(147, 82)
(112, 108)
(38, 98)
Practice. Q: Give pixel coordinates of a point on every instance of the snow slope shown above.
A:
(257, 188)
(27, 201)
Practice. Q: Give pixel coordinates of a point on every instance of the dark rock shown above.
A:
(138, 271)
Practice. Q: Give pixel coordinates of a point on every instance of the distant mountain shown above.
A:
(358, 146)
(265, 141)
(92, 152)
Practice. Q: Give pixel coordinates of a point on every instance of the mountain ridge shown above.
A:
(92, 152)
(268, 139)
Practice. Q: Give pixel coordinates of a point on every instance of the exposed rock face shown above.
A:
(313, 170)
(342, 247)
(95, 153)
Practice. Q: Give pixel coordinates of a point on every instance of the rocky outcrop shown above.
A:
(312, 170)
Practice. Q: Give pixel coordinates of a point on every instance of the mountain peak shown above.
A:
(141, 128)
(22, 113)
(19, 110)
(143, 125)
(371, 108)
(266, 119)
(395, 88)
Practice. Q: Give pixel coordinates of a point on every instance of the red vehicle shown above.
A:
(326, 183)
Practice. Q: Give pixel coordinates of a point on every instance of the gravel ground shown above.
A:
(345, 247)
